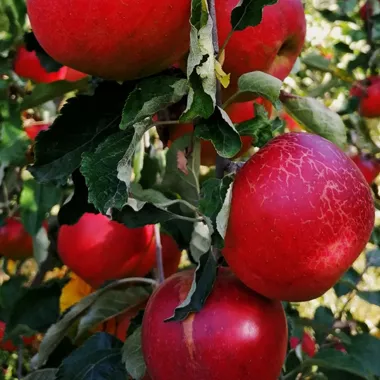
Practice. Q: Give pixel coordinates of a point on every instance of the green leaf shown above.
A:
(133, 356)
(334, 359)
(323, 316)
(316, 118)
(200, 64)
(261, 84)
(260, 128)
(10, 292)
(175, 180)
(43, 92)
(220, 130)
(13, 144)
(316, 61)
(150, 96)
(347, 283)
(373, 258)
(42, 304)
(36, 201)
(372, 297)
(109, 305)
(108, 170)
(248, 13)
(43, 374)
(99, 358)
(85, 121)
(203, 282)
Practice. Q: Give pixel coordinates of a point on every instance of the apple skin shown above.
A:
(368, 91)
(34, 129)
(8, 344)
(301, 213)
(234, 336)
(74, 75)
(28, 66)
(238, 112)
(115, 40)
(369, 166)
(273, 46)
(98, 249)
(15, 242)
(366, 11)
(307, 344)
(291, 124)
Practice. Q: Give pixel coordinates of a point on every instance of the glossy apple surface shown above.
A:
(98, 249)
(234, 336)
(301, 213)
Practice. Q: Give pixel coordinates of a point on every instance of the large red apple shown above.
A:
(238, 112)
(27, 65)
(15, 242)
(368, 92)
(301, 213)
(234, 336)
(98, 249)
(273, 46)
(8, 344)
(368, 165)
(112, 39)
(237, 335)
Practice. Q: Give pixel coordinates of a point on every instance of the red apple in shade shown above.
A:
(32, 130)
(368, 92)
(234, 336)
(366, 11)
(8, 344)
(290, 123)
(307, 344)
(238, 112)
(15, 242)
(28, 66)
(113, 41)
(273, 46)
(98, 249)
(74, 75)
(301, 213)
(368, 165)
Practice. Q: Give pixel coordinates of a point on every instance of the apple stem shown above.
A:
(159, 262)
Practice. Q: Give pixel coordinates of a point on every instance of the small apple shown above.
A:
(307, 344)
(301, 213)
(368, 92)
(368, 165)
(28, 66)
(235, 324)
(15, 242)
(366, 11)
(32, 130)
(98, 249)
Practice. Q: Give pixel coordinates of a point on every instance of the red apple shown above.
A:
(308, 344)
(301, 213)
(273, 46)
(366, 11)
(8, 344)
(27, 65)
(238, 113)
(32, 130)
(74, 75)
(369, 166)
(234, 336)
(290, 123)
(115, 40)
(15, 241)
(368, 91)
(98, 249)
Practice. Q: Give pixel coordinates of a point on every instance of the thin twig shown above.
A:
(159, 261)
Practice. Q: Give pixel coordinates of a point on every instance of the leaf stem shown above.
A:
(159, 262)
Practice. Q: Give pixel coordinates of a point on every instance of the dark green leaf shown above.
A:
(99, 358)
(347, 283)
(85, 121)
(220, 130)
(203, 282)
(133, 356)
(373, 258)
(150, 96)
(248, 13)
(10, 292)
(43, 374)
(13, 144)
(371, 297)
